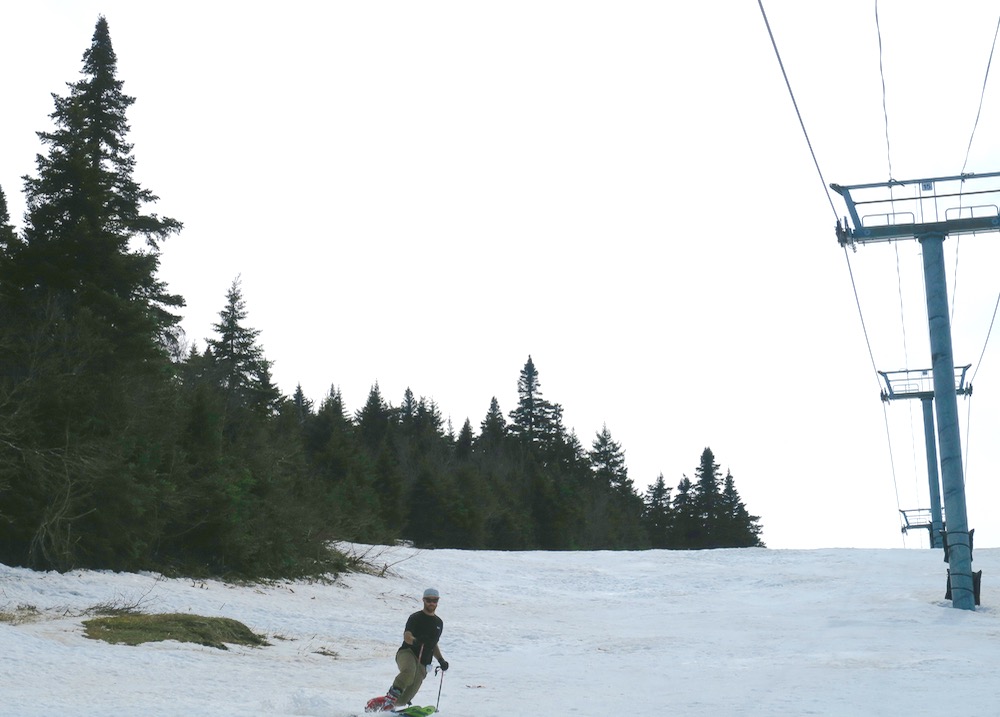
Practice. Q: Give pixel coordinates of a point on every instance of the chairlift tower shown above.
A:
(929, 210)
(919, 384)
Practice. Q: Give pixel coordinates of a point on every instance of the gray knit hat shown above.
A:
(431, 593)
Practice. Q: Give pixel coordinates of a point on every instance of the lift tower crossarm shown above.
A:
(919, 383)
(960, 204)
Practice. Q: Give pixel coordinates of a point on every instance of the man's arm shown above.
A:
(440, 658)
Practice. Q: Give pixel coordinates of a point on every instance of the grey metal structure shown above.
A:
(929, 210)
(938, 205)
(919, 384)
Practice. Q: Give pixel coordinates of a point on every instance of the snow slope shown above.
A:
(727, 632)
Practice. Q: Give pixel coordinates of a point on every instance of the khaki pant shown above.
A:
(411, 675)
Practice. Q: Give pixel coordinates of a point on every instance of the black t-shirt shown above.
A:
(426, 630)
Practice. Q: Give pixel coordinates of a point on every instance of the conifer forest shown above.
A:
(123, 448)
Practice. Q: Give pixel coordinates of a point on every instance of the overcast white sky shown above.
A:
(421, 194)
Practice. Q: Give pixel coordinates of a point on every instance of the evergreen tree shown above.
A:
(8, 326)
(615, 520)
(382, 469)
(437, 508)
(707, 498)
(550, 462)
(537, 422)
(8, 236)
(738, 528)
(499, 470)
(493, 428)
(705, 516)
(240, 367)
(686, 526)
(658, 515)
(84, 209)
(429, 426)
(350, 503)
(608, 461)
(85, 329)
(302, 406)
(470, 501)
(329, 440)
(373, 420)
(8, 452)
(463, 445)
(408, 409)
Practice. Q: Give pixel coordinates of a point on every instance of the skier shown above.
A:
(420, 644)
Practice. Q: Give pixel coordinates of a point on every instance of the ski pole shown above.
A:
(440, 685)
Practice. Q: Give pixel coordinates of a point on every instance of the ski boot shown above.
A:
(384, 703)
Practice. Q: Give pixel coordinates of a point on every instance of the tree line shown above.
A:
(122, 449)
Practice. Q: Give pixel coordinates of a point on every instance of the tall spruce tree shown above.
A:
(87, 328)
(703, 515)
(707, 498)
(84, 208)
(608, 462)
(686, 524)
(7, 234)
(493, 428)
(377, 424)
(8, 241)
(374, 420)
(537, 422)
(738, 528)
(240, 366)
(11, 424)
(303, 407)
(350, 503)
(329, 440)
(657, 515)
(464, 442)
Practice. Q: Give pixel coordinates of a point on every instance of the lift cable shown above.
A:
(986, 342)
(836, 217)
(826, 189)
(888, 159)
(885, 112)
(802, 124)
(965, 443)
(906, 365)
(899, 278)
(968, 150)
(981, 96)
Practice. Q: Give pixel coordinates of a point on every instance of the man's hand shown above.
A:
(444, 664)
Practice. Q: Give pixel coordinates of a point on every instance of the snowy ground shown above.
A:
(728, 632)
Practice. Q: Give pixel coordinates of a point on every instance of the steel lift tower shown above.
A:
(910, 384)
(929, 210)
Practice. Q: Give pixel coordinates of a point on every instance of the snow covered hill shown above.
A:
(728, 632)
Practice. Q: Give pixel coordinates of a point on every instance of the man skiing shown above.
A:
(420, 644)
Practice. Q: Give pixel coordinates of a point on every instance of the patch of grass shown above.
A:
(133, 629)
(20, 614)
